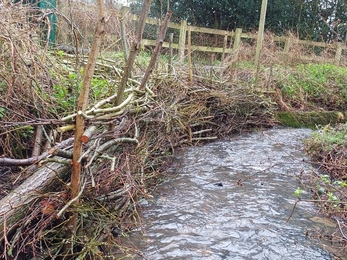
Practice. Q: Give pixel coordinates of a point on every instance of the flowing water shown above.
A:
(231, 200)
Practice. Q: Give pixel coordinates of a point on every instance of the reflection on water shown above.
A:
(231, 200)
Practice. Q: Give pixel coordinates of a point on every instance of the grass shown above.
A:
(321, 85)
(311, 119)
(325, 139)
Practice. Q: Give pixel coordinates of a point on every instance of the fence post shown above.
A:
(287, 44)
(124, 11)
(182, 40)
(260, 37)
(235, 52)
(338, 53)
(237, 39)
(170, 66)
(190, 68)
(221, 70)
(211, 67)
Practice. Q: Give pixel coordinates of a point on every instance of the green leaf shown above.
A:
(326, 178)
(332, 197)
(298, 192)
(2, 112)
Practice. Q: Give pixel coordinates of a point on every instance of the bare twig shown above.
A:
(68, 204)
(339, 225)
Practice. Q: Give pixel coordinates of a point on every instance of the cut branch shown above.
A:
(88, 134)
(36, 159)
(37, 143)
(83, 100)
(81, 106)
(134, 50)
(21, 162)
(156, 50)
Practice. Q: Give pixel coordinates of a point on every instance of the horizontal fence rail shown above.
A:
(236, 37)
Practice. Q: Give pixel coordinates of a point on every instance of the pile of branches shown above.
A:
(125, 153)
(123, 163)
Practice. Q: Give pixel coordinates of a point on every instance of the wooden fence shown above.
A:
(236, 38)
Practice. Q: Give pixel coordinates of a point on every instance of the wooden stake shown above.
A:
(221, 70)
(170, 68)
(156, 50)
(124, 10)
(81, 106)
(260, 32)
(190, 57)
(134, 50)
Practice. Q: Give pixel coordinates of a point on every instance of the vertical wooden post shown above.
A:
(190, 56)
(338, 53)
(287, 45)
(83, 100)
(235, 53)
(182, 40)
(221, 69)
(237, 39)
(170, 67)
(123, 12)
(260, 32)
(211, 68)
(80, 121)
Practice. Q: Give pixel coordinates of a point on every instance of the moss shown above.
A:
(309, 119)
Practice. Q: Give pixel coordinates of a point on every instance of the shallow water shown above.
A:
(231, 200)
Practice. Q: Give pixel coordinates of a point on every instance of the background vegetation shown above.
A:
(314, 20)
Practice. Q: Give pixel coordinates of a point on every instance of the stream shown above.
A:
(231, 200)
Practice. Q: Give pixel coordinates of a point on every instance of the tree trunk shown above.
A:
(15, 205)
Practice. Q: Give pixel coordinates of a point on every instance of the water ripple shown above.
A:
(231, 200)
